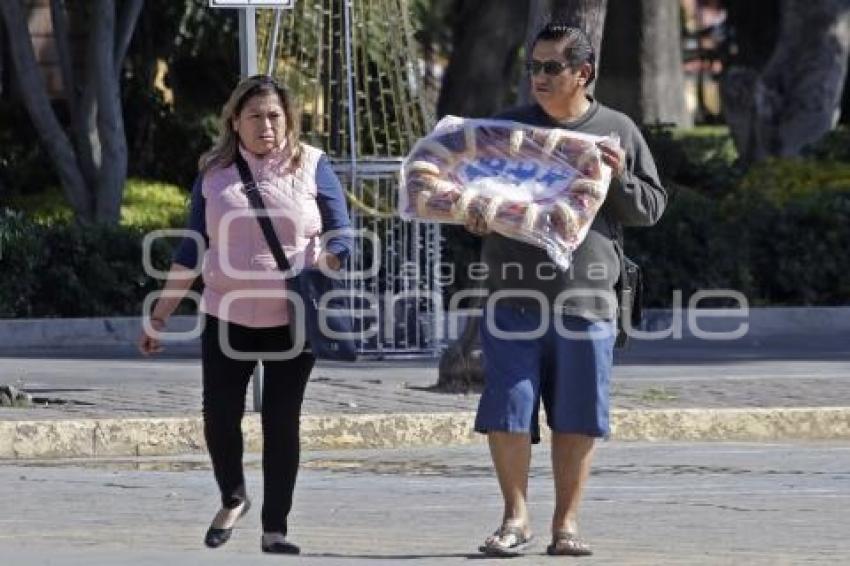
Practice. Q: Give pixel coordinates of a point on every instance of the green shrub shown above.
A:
(165, 142)
(777, 232)
(24, 165)
(64, 269)
(834, 146)
(705, 144)
(21, 253)
(692, 247)
(780, 181)
(147, 205)
(794, 253)
(798, 252)
(177, 141)
(94, 271)
(667, 152)
(46, 206)
(702, 158)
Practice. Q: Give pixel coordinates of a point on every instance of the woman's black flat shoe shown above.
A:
(280, 547)
(217, 537)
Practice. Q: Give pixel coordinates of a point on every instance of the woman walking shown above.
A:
(244, 314)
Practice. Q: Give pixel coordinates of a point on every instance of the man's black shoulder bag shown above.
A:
(629, 290)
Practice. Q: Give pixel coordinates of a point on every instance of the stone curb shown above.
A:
(169, 436)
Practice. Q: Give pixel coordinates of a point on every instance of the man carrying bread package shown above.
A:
(567, 357)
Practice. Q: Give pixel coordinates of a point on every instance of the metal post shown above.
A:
(352, 101)
(247, 68)
(258, 386)
(248, 42)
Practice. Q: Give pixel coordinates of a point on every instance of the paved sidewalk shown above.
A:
(71, 386)
(109, 403)
(658, 504)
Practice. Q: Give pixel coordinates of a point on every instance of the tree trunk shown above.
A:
(49, 130)
(589, 15)
(128, 16)
(752, 29)
(796, 99)
(59, 19)
(845, 102)
(94, 168)
(643, 75)
(486, 37)
(460, 366)
(539, 14)
(110, 120)
(4, 84)
(81, 104)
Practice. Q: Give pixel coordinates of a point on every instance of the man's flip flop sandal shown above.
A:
(568, 544)
(506, 541)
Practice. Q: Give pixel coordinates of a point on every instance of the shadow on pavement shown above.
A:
(470, 556)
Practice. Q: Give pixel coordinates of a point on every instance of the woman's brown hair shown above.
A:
(224, 151)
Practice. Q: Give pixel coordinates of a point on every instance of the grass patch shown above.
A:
(707, 144)
(655, 394)
(147, 205)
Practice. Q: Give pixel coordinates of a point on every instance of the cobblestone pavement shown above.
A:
(78, 387)
(646, 503)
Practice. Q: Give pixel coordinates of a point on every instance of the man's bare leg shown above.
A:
(571, 458)
(511, 453)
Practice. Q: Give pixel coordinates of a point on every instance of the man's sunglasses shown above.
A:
(552, 68)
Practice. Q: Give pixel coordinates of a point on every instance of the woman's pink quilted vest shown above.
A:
(238, 264)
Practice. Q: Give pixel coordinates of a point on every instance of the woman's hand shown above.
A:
(180, 279)
(148, 343)
(328, 261)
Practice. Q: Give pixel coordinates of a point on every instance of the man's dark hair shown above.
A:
(578, 49)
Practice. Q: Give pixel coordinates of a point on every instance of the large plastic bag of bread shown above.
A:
(541, 186)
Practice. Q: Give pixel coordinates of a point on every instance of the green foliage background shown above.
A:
(777, 232)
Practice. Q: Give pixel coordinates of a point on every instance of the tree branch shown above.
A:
(47, 125)
(59, 18)
(84, 123)
(795, 100)
(79, 132)
(127, 19)
(486, 37)
(110, 120)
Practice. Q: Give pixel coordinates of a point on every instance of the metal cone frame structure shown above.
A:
(355, 72)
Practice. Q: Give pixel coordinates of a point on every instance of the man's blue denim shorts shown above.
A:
(565, 361)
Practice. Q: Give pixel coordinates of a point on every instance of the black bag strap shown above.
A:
(618, 239)
(253, 194)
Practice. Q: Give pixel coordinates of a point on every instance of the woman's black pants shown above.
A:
(225, 383)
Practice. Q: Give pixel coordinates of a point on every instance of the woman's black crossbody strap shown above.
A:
(253, 194)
